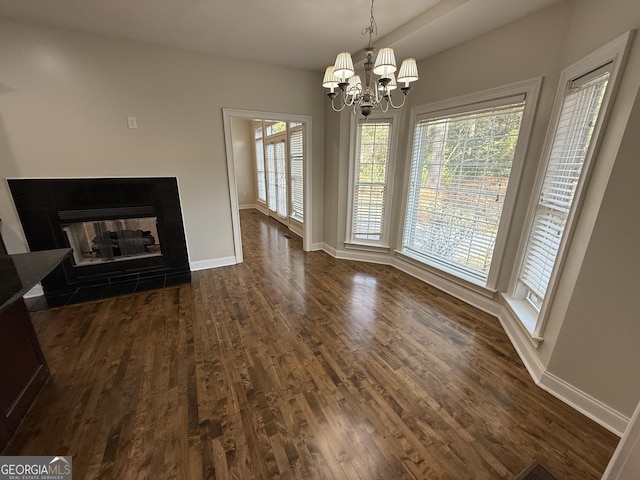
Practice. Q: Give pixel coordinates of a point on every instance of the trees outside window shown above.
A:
(466, 159)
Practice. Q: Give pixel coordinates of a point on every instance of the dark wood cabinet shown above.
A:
(23, 368)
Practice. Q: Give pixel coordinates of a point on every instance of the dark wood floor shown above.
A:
(296, 365)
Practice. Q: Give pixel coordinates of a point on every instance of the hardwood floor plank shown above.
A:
(296, 365)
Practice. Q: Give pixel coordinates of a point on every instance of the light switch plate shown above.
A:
(132, 123)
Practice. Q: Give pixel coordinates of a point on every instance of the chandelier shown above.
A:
(364, 98)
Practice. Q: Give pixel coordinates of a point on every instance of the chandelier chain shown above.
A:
(372, 29)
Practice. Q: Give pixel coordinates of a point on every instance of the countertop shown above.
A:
(21, 272)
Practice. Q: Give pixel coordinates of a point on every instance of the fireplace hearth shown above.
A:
(127, 234)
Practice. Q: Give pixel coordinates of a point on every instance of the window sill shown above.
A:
(527, 317)
(467, 281)
(366, 247)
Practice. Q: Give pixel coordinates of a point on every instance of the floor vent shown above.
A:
(536, 471)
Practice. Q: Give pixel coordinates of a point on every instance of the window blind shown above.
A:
(459, 174)
(277, 177)
(569, 149)
(370, 179)
(296, 166)
(262, 187)
(272, 190)
(281, 179)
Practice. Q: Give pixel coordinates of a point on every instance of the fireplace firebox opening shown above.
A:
(112, 240)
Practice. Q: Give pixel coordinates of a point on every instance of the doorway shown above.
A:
(287, 189)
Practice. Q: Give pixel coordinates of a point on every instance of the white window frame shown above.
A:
(528, 91)
(292, 128)
(258, 146)
(381, 245)
(614, 53)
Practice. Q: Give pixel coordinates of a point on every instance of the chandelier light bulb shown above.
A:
(355, 86)
(392, 85)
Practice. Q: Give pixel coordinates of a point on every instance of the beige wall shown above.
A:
(597, 340)
(336, 147)
(65, 95)
(597, 346)
(243, 157)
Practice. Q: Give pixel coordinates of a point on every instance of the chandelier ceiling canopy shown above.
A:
(364, 98)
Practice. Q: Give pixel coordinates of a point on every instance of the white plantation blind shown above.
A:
(370, 179)
(277, 177)
(296, 165)
(460, 170)
(271, 176)
(570, 147)
(260, 174)
(281, 178)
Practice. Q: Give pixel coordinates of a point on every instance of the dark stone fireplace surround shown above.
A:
(43, 205)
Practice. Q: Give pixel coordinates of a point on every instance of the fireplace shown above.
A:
(127, 234)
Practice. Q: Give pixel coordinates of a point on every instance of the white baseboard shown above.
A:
(477, 300)
(522, 344)
(362, 256)
(248, 207)
(212, 263)
(316, 247)
(328, 249)
(589, 406)
(296, 228)
(262, 209)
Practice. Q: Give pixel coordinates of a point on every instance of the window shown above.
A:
(296, 169)
(277, 177)
(462, 165)
(372, 171)
(579, 109)
(260, 173)
(280, 169)
(273, 128)
(566, 161)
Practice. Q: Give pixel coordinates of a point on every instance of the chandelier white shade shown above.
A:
(385, 63)
(330, 81)
(343, 68)
(408, 71)
(364, 97)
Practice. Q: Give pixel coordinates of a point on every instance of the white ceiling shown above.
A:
(298, 33)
